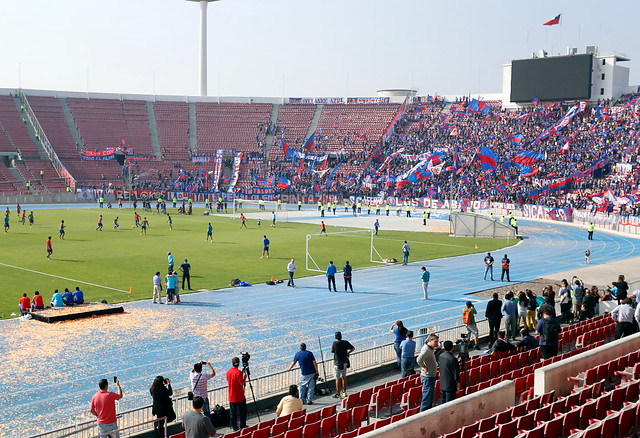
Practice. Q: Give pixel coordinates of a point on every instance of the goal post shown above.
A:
(312, 257)
(256, 206)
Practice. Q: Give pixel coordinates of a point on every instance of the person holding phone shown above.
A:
(161, 392)
(103, 406)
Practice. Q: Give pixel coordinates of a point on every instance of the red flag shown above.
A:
(556, 20)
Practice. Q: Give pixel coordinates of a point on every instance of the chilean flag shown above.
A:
(556, 20)
(310, 143)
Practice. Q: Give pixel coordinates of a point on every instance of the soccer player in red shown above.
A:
(49, 248)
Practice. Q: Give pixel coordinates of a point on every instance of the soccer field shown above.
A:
(108, 264)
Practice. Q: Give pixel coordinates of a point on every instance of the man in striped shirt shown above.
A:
(199, 381)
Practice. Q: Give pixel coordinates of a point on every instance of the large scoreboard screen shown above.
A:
(556, 78)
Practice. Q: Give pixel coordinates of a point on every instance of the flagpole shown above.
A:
(560, 48)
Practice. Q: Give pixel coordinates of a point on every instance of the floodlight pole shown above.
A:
(202, 76)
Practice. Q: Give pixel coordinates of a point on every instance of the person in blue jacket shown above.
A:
(331, 276)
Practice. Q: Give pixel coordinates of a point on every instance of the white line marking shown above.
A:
(64, 278)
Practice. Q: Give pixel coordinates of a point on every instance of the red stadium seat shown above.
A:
(311, 430)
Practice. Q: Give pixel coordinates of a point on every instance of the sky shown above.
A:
(296, 48)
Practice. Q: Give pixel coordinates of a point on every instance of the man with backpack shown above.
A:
(548, 328)
(469, 319)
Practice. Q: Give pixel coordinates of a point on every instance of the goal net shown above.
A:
(250, 206)
(356, 245)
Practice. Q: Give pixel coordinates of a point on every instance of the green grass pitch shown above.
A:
(123, 259)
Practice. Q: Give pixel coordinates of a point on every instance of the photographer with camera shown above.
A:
(199, 385)
(237, 401)
(162, 404)
(308, 373)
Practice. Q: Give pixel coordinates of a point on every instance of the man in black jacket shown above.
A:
(449, 373)
(493, 313)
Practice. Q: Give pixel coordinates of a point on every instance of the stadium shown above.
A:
(247, 207)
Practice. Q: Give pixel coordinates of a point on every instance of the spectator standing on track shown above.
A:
(425, 277)
(103, 406)
(400, 331)
(291, 267)
(405, 253)
(199, 381)
(308, 372)
(429, 369)
(185, 268)
(548, 328)
(493, 313)
(624, 315)
(505, 267)
(469, 319)
(331, 275)
(408, 349)
(170, 260)
(195, 424)
(510, 313)
(341, 350)
(162, 404)
(590, 231)
(488, 266)
(237, 401)
(449, 373)
(157, 288)
(347, 274)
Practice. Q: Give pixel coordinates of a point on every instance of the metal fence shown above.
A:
(139, 419)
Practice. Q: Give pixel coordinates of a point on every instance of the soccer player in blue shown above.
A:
(209, 233)
(265, 247)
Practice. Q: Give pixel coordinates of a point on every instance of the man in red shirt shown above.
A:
(25, 304)
(49, 248)
(103, 406)
(237, 400)
(38, 302)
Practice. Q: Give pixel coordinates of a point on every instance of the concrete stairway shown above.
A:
(313, 125)
(193, 128)
(32, 132)
(71, 123)
(153, 130)
(268, 139)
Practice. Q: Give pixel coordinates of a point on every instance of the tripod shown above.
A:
(247, 372)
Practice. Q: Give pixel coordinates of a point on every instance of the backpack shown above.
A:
(466, 316)
(219, 416)
(550, 331)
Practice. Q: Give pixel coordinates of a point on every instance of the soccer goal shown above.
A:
(322, 246)
(252, 206)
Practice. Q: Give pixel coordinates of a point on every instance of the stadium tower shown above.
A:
(203, 44)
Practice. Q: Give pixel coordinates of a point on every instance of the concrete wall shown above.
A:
(450, 416)
(554, 376)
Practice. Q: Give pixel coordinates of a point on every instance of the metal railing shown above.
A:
(44, 140)
(136, 420)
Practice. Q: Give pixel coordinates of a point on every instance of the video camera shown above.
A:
(463, 346)
(244, 357)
